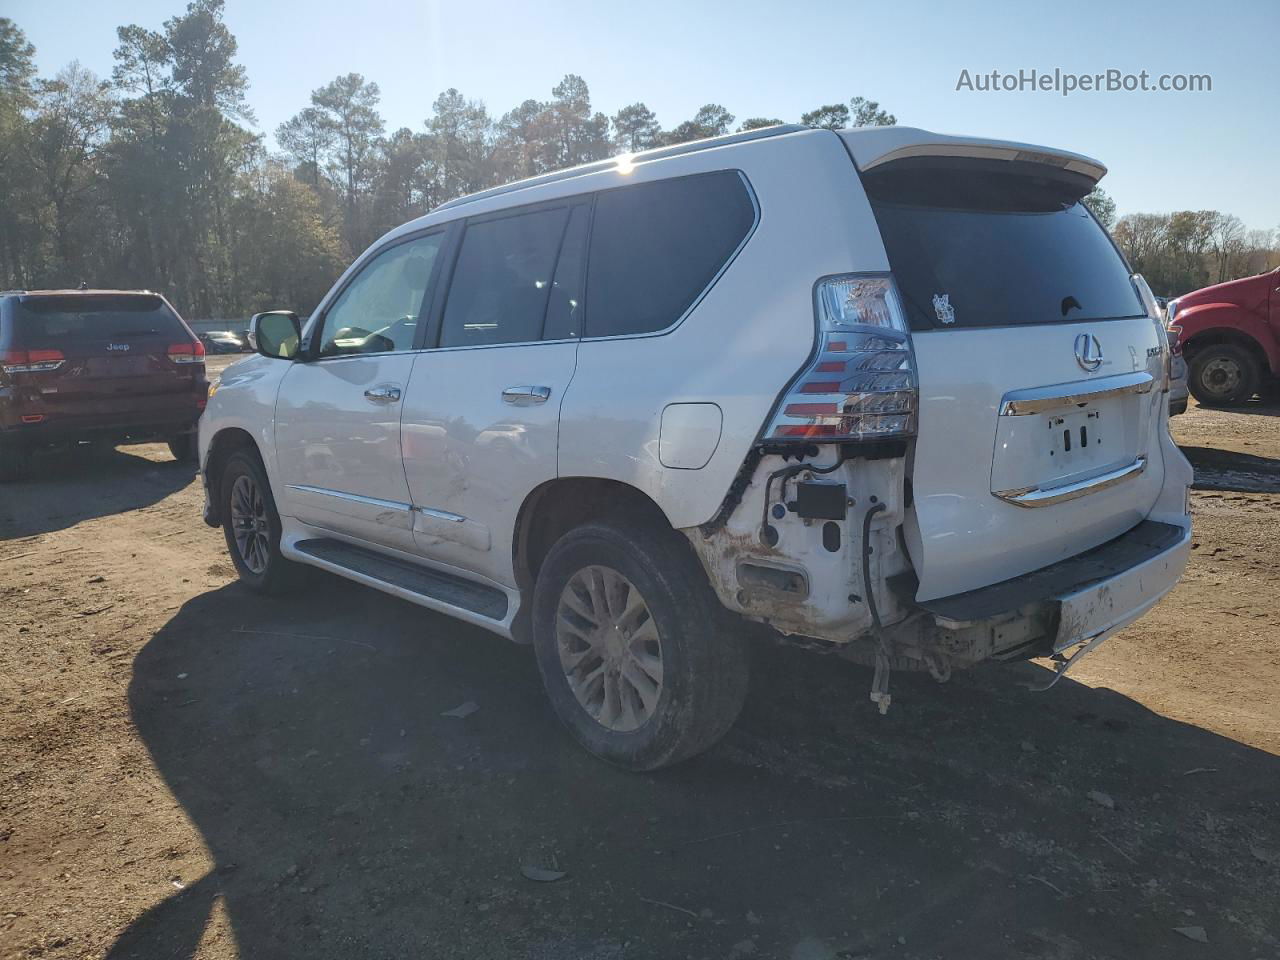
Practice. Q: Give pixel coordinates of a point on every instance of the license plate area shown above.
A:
(1067, 444)
(1077, 438)
(108, 367)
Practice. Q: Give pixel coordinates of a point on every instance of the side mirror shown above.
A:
(276, 334)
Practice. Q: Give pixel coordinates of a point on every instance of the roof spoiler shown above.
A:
(873, 147)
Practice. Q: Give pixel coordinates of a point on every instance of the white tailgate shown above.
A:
(997, 495)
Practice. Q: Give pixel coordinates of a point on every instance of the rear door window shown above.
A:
(656, 247)
(82, 321)
(502, 280)
(972, 248)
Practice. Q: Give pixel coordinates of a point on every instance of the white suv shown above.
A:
(892, 394)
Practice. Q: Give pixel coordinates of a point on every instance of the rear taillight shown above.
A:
(861, 383)
(1157, 317)
(1174, 332)
(32, 361)
(190, 352)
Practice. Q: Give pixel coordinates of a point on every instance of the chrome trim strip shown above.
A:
(441, 514)
(1044, 497)
(351, 497)
(1023, 403)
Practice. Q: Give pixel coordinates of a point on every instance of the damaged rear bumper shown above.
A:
(1083, 598)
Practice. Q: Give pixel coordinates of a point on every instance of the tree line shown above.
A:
(153, 178)
(1183, 251)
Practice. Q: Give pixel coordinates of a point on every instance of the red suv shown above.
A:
(1230, 334)
(112, 365)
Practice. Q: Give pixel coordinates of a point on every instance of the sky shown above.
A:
(1166, 151)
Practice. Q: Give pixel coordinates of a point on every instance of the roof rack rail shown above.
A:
(657, 153)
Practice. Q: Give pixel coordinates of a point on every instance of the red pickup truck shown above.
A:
(1230, 335)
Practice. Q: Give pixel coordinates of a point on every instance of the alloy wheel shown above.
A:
(249, 524)
(609, 648)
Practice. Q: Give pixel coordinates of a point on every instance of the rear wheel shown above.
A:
(251, 526)
(636, 654)
(1223, 375)
(183, 447)
(15, 463)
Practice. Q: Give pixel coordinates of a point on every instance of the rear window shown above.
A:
(655, 247)
(974, 248)
(49, 321)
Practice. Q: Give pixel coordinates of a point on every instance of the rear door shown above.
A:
(1040, 372)
(125, 358)
(482, 413)
(338, 408)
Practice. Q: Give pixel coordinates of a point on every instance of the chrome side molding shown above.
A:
(1024, 403)
(350, 497)
(441, 514)
(1047, 496)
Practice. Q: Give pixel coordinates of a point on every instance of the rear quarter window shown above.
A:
(655, 247)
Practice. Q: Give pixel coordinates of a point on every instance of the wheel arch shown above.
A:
(1253, 337)
(225, 442)
(554, 508)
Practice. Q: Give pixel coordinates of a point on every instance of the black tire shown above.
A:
(277, 574)
(183, 447)
(704, 662)
(1223, 375)
(15, 464)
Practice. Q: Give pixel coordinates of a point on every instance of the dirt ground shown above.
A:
(187, 770)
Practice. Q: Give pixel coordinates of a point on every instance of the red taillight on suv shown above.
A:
(189, 352)
(861, 382)
(31, 361)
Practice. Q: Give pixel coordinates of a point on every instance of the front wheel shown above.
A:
(1223, 375)
(636, 654)
(251, 526)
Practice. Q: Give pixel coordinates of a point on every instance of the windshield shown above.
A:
(973, 249)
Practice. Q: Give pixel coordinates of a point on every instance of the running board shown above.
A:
(436, 585)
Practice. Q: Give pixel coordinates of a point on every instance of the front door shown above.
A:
(338, 410)
(482, 413)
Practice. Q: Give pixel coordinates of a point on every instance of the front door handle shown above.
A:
(384, 393)
(526, 396)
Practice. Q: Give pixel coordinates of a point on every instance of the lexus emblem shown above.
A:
(1088, 352)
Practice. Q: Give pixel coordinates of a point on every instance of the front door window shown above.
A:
(379, 311)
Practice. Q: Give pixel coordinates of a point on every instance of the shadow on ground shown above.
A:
(349, 818)
(1218, 469)
(64, 487)
(1257, 406)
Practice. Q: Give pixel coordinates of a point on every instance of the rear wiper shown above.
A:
(135, 333)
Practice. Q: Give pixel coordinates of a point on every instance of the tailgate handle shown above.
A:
(1024, 403)
(1047, 496)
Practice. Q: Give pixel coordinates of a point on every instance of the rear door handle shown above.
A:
(383, 393)
(526, 396)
